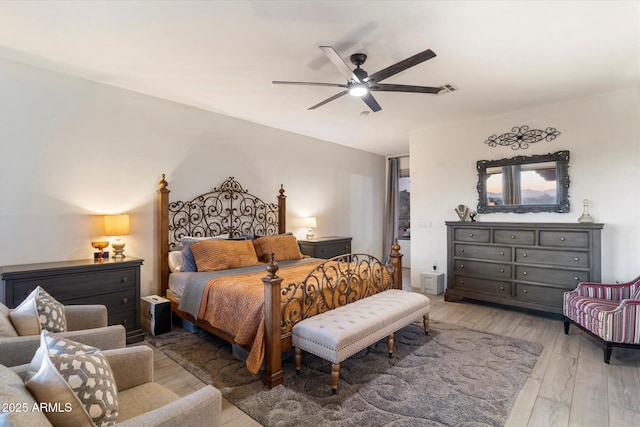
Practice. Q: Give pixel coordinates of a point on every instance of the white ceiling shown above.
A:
(222, 56)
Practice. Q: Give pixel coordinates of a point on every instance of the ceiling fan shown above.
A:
(361, 84)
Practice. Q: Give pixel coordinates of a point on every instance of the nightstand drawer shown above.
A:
(325, 247)
(329, 251)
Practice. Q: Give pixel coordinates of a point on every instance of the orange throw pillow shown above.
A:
(285, 247)
(213, 255)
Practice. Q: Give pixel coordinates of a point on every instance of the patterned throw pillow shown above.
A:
(37, 312)
(284, 247)
(77, 380)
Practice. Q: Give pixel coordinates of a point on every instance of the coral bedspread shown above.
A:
(235, 304)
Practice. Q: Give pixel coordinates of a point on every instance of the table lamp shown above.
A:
(117, 225)
(310, 223)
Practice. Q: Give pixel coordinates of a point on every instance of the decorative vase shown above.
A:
(586, 217)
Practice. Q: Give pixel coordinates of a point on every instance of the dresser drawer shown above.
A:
(568, 279)
(124, 318)
(471, 235)
(564, 258)
(66, 288)
(495, 253)
(477, 268)
(514, 237)
(565, 239)
(115, 301)
(480, 285)
(539, 294)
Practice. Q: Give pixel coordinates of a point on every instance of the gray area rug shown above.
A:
(452, 377)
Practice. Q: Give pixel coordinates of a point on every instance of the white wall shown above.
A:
(71, 149)
(602, 134)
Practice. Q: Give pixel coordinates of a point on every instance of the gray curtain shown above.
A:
(391, 208)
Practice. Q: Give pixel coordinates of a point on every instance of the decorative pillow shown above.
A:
(37, 312)
(188, 262)
(213, 255)
(77, 379)
(6, 327)
(285, 247)
(175, 261)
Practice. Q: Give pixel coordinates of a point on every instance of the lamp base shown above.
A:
(310, 235)
(118, 249)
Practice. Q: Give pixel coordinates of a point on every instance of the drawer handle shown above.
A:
(563, 239)
(461, 250)
(576, 259)
(502, 270)
(502, 288)
(125, 300)
(461, 265)
(462, 282)
(124, 321)
(501, 253)
(524, 255)
(576, 278)
(513, 237)
(124, 279)
(524, 273)
(524, 291)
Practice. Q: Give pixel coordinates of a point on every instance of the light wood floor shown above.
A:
(570, 385)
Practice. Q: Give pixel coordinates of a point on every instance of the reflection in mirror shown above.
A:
(524, 184)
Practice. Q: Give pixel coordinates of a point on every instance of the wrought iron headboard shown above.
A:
(228, 208)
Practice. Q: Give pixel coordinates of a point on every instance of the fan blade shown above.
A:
(401, 66)
(371, 102)
(280, 82)
(405, 88)
(340, 64)
(336, 96)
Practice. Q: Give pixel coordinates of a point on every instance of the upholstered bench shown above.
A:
(340, 333)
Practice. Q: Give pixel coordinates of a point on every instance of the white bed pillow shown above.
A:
(175, 261)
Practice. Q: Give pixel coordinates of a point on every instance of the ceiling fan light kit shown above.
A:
(361, 84)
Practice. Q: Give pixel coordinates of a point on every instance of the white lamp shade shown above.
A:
(116, 225)
(309, 222)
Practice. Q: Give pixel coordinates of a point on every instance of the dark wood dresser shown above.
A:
(326, 247)
(115, 284)
(527, 265)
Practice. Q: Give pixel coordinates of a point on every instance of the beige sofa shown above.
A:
(141, 402)
(86, 324)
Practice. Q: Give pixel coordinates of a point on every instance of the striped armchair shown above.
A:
(608, 312)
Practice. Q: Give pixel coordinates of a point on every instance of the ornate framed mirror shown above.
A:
(538, 183)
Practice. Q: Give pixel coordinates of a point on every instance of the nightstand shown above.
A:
(115, 284)
(326, 247)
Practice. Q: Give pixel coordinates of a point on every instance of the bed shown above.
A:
(255, 304)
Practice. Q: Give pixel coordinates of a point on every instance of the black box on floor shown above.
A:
(155, 315)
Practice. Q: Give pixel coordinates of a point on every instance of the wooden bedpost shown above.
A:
(282, 211)
(163, 237)
(272, 374)
(396, 261)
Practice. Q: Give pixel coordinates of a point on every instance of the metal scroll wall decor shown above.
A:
(521, 137)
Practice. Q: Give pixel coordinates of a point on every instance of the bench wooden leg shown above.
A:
(298, 360)
(426, 323)
(335, 375)
(391, 342)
